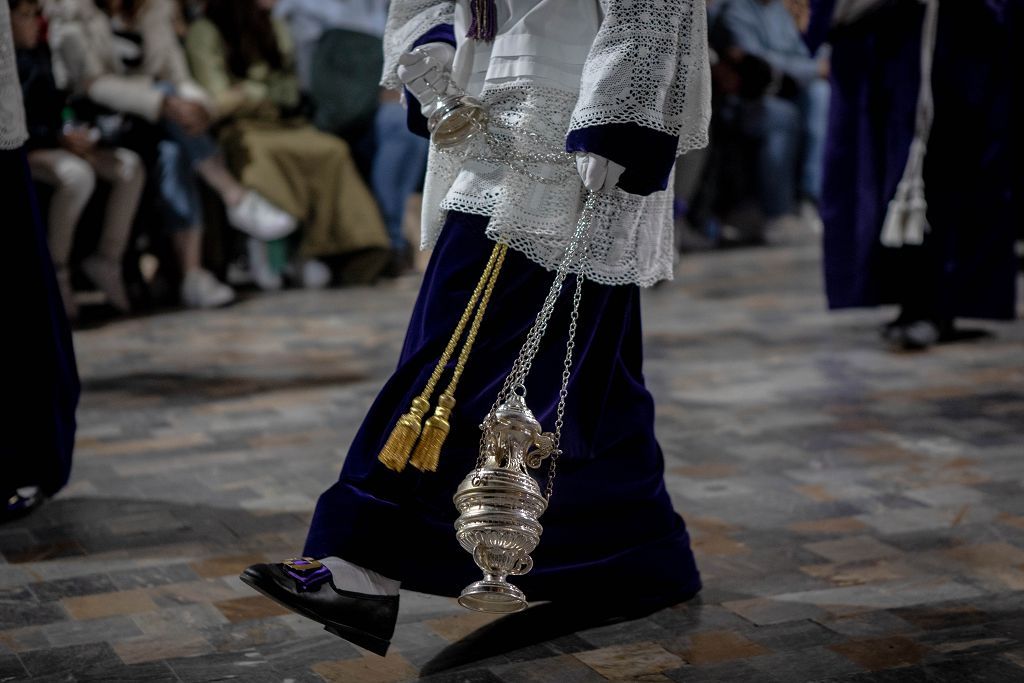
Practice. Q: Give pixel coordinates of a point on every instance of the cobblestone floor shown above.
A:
(858, 514)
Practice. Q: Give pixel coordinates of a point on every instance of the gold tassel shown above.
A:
(399, 445)
(395, 453)
(428, 450)
(435, 431)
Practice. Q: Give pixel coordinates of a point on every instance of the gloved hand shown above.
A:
(596, 172)
(426, 71)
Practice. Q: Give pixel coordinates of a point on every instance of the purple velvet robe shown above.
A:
(973, 170)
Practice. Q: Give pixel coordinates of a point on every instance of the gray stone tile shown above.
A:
(11, 668)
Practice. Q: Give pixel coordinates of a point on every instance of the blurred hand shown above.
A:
(824, 68)
(596, 172)
(191, 116)
(426, 71)
(78, 141)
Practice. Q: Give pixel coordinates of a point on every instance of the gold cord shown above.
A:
(428, 450)
(395, 453)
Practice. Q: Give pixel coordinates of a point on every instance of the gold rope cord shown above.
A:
(395, 453)
(428, 450)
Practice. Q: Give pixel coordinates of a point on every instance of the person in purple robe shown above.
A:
(41, 379)
(612, 97)
(922, 197)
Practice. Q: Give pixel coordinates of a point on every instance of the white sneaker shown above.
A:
(257, 217)
(313, 274)
(200, 289)
(107, 276)
(811, 217)
(265, 277)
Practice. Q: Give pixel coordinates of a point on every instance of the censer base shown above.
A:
(495, 596)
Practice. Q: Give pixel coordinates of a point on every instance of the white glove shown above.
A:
(426, 71)
(596, 172)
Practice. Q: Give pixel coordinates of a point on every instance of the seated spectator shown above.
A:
(244, 59)
(68, 158)
(339, 57)
(791, 119)
(141, 70)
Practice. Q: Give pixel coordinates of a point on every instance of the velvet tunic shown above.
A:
(972, 173)
(610, 523)
(41, 384)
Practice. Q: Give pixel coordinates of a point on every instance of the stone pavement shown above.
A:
(858, 514)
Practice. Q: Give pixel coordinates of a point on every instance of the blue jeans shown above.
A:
(178, 154)
(398, 167)
(792, 146)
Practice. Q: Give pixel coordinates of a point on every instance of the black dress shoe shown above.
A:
(20, 502)
(305, 586)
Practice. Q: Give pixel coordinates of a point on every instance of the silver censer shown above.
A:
(499, 504)
(456, 116)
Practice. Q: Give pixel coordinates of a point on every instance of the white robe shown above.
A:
(556, 66)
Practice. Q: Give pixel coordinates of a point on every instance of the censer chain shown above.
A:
(516, 379)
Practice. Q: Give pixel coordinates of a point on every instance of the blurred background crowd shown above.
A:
(184, 149)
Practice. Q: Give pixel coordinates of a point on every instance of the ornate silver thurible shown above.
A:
(499, 503)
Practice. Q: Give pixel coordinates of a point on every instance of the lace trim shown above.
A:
(12, 112)
(649, 66)
(632, 235)
(407, 21)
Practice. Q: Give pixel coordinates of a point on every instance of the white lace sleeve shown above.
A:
(12, 110)
(407, 21)
(649, 66)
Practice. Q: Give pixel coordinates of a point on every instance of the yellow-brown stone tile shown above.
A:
(369, 669)
(876, 654)
(631, 661)
(227, 565)
(137, 650)
(830, 525)
(245, 609)
(458, 626)
(711, 647)
(108, 604)
(711, 470)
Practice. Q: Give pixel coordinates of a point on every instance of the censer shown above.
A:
(499, 502)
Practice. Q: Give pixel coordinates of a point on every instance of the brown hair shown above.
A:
(247, 32)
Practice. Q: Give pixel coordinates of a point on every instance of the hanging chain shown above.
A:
(519, 160)
(570, 347)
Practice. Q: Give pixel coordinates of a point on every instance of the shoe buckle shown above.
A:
(308, 574)
(303, 565)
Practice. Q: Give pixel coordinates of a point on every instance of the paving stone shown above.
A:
(632, 660)
(806, 664)
(79, 585)
(564, 668)
(11, 668)
(881, 653)
(70, 659)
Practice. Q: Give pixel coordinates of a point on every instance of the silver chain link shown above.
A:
(514, 156)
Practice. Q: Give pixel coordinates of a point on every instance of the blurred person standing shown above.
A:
(138, 68)
(41, 379)
(68, 158)
(244, 58)
(791, 119)
(338, 46)
(923, 181)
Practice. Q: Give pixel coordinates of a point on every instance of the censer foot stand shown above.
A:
(493, 595)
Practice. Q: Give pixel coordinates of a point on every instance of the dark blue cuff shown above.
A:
(647, 154)
(414, 119)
